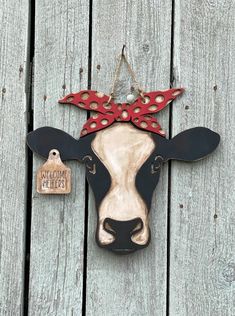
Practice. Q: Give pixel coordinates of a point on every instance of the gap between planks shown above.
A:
(29, 93)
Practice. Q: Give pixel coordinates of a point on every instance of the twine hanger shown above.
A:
(122, 58)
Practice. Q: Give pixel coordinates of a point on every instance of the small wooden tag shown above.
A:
(54, 177)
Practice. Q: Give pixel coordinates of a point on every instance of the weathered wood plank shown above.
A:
(202, 199)
(134, 284)
(61, 50)
(13, 128)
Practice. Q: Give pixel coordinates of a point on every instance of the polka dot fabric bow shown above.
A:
(139, 113)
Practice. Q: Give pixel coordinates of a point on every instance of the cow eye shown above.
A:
(156, 164)
(90, 165)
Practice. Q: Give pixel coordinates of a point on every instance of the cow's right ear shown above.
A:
(192, 144)
(44, 139)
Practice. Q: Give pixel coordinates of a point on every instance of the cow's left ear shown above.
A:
(44, 139)
(192, 144)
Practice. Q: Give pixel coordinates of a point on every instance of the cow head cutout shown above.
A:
(123, 165)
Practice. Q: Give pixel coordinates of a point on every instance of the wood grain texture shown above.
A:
(134, 284)
(202, 241)
(57, 235)
(13, 128)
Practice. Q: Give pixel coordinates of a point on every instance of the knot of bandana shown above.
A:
(107, 111)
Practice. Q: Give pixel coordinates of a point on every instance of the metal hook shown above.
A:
(123, 48)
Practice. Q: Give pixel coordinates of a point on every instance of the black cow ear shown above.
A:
(44, 139)
(192, 144)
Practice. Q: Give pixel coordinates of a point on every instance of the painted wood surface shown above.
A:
(202, 236)
(13, 113)
(57, 233)
(188, 269)
(134, 284)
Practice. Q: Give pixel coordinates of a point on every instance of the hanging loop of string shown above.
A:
(122, 58)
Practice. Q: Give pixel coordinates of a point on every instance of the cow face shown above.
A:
(123, 149)
(123, 165)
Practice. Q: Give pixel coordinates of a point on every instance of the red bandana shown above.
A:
(139, 113)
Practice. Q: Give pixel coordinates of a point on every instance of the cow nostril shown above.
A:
(138, 228)
(126, 228)
(108, 228)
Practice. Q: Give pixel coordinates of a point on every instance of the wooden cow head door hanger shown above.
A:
(123, 148)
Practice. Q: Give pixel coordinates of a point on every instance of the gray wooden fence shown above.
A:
(49, 262)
